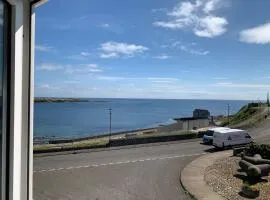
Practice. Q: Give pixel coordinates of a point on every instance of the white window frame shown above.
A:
(20, 172)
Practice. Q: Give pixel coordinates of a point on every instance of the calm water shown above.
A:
(64, 120)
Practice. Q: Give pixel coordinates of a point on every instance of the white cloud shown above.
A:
(198, 16)
(85, 68)
(256, 35)
(44, 48)
(50, 67)
(83, 53)
(71, 82)
(151, 79)
(162, 79)
(159, 10)
(110, 78)
(192, 51)
(220, 78)
(70, 69)
(162, 57)
(233, 85)
(109, 55)
(189, 48)
(105, 25)
(115, 49)
(210, 6)
(92, 65)
(184, 9)
(169, 24)
(81, 56)
(211, 26)
(47, 86)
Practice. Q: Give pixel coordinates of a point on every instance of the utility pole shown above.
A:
(110, 113)
(228, 114)
(267, 102)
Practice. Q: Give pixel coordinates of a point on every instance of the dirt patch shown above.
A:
(226, 178)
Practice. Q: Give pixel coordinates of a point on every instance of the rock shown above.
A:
(265, 169)
(244, 165)
(257, 156)
(254, 171)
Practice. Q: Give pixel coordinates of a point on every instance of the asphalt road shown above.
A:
(146, 173)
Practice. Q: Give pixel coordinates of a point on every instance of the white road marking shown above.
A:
(117, 163)
(70, 168)
(78, 167)
(164, 158)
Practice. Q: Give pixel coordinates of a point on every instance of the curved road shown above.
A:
(131, 173)
(144, 173)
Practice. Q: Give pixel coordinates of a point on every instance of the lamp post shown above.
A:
(267, 102)
(228, 114)
(110, 113)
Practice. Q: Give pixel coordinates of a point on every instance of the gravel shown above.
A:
(225, 179)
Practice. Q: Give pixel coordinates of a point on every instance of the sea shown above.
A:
(83, 119)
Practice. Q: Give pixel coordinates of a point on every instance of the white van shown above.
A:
(230, 137)
(208, 136)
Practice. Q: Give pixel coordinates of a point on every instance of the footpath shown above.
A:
(192, 176)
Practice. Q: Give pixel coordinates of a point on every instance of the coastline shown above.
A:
(65, 100)
(149, 135)
(118, 133)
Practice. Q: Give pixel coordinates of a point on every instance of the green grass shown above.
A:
(81, 144)
(247, 115)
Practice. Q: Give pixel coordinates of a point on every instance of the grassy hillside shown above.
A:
(247, 116)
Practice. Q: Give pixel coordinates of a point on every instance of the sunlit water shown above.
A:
(68, 120)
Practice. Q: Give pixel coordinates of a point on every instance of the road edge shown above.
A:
(116, 148)
(192, 176)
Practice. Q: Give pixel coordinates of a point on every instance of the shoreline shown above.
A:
(79, 139)
(127, 133)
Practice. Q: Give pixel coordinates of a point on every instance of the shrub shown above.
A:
(249, 191)
(263, 150)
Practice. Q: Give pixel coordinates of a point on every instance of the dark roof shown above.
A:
(189, 118)
(197, 109)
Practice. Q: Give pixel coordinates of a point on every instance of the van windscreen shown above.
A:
(209, 133)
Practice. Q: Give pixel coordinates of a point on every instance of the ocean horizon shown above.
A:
(83, 119)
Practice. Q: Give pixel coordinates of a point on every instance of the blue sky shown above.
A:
(197, 49)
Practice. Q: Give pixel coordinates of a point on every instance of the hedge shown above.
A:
(262, 149)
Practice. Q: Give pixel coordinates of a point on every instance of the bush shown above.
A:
(263, 150)
(249, 191)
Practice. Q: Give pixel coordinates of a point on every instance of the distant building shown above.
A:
(192, 123)
(201, 113)
(201, 118)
